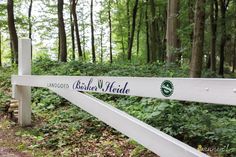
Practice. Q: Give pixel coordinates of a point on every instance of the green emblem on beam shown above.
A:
(167, 88)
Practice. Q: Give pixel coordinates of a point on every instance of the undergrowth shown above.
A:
(207, 127)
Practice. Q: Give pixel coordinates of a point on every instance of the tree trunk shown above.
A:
(62, 32)
(12, 54)
(155, 44)
(59, 47)
(135, 9)
(29, 19)
(101, 45)
(83, 36)
(223, 9)
(234, 47)
(80, 53)
(110, 29)
(30, 25)
(198, 39)
(0, 48)
(139, 27)
(214, 19)
(128, 21)
(92, 33)
(147, 32)
(171, 31)
(164, 30)
(72, 26)
(12, 29)
(234, 56)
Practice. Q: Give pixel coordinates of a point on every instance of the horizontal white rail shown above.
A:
(218, 91)
(153, 139)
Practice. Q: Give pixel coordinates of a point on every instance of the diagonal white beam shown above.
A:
(218, 91)
(151, 138)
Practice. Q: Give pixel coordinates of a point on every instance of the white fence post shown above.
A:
(23, 93)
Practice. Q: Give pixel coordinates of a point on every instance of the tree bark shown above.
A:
(30, 25)
(147, 32)
(12, 29)
(72, 28)
(155, 42)
(92, 33)
(214, 19)
(62, 32)
(101, 45)
(128, 21)
(83, 36)
(29, 19)
(80, 53)
(134, 14)
(223, 9)
(234, 55)
(198, 39)
(0, 48)
(110, 29)
(171, 31)
(139, 27)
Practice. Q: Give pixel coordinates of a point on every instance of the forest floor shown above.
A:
(8, 141)
(13, 145)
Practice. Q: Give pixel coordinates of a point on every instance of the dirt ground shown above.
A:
(8, 141)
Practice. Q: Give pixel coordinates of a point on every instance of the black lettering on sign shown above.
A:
(58, 85)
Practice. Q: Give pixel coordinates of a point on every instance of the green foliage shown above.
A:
(211, 126)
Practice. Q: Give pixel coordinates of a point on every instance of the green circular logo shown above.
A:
(167, 88)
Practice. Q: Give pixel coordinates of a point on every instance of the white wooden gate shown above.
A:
(218, 91)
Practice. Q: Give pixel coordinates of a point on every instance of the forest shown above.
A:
(136, 38)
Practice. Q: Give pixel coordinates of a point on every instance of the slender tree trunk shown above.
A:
(59, 47)
(29, 19)
(0, 48)
(72, 26)
(139, 27)
(214, 19)
(83, 37)
(234, 47)
(234, 55)
(110, 29)
(62, 32)
(101, 45)
(12, 54)
(147, 32)
(12, 29)
(30, 25)
(164, 30)
(198, 39)
(92, 33)
(223, 9)
(171, 32)
(155, 43)
(135, 9)
(128, 21)
(80, 53)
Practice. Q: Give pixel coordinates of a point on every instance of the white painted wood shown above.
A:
(218, 91)
(24, 58)
(151, 138)
(23, 93)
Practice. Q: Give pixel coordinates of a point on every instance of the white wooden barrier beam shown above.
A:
(23, 93)
(218, 91)
(151, 138)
